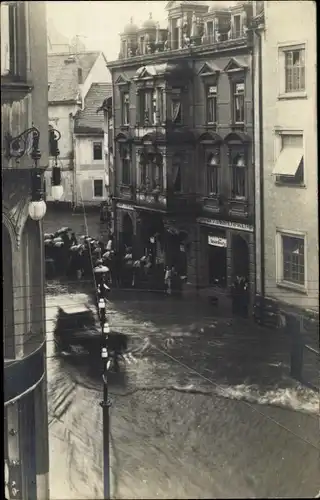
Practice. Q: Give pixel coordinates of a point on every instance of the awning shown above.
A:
(288, 162)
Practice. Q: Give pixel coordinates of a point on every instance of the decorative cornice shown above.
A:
(202, 50)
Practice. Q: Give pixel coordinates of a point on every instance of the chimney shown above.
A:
(80, 85)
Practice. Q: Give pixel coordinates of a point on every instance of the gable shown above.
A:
(122, 80)
(236, 64)
(208, 69)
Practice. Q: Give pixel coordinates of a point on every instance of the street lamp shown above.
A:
(56, 187)
(37, 206)
(28, 143)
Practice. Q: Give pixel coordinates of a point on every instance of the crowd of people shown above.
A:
(82, 258)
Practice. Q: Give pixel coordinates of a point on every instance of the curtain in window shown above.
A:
(176, 111)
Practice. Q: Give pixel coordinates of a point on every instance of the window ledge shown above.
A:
(239, 126)
(125, 127)
(292, 95)
(300, 289)
(284, 184)
(212, 126)
(15, 90)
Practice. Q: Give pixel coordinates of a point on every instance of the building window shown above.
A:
(97, 151)
(238, 102)
(177, 173)
(294, 70)
(210, 33)
(151, 171)
(213, 164)
(239, 176)
(176, 110)
(293, 259)
(162, 105)
(289, 167)
(141, 44)
(237, 26)
(175, 42)
(125, 165)
(211, 105)
(98, 188)
(125, 103)
(9, 39)
(124, 51)
(154, 108)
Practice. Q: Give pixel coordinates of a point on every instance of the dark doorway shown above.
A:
(127, 231)
(240, 257)
(217, 265)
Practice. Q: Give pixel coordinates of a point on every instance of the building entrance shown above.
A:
(217, 260)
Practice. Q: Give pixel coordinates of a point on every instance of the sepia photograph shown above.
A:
(160, 249)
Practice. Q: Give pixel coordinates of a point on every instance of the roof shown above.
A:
(63, 74)
(89, 120)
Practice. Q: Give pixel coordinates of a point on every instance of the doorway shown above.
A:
(217, 259)
(240, 257)
(127, 231)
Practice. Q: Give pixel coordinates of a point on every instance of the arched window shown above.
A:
(177, 173)
(8, 308)
(125, 158)
(239, 175)
(213, 164)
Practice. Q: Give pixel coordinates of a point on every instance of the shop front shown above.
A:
(226, 252)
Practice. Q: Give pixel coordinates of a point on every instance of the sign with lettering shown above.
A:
(123, 206)
(225, 224)
(217, 241)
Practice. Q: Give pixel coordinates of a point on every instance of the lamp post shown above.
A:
(56, 186)
(105, 403)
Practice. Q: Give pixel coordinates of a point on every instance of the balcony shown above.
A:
(167, 201)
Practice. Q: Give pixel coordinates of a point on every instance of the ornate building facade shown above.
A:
(182, 116)
(24, 135)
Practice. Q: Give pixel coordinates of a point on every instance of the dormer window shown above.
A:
(141, 44)
(175, 34)
(210, 31)
(124, 50)
(237, 26)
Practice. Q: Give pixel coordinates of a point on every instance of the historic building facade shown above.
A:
(286, 157)
(182, 111)
(24, 104)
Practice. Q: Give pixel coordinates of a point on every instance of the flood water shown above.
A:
(203, 407)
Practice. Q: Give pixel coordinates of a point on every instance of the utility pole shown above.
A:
(105, 403)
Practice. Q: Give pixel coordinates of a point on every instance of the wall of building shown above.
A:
(290, 208)
(25, 406)
(88, 169)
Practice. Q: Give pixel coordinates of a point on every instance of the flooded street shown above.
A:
(193, 414)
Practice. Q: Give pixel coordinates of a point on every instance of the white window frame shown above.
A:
(279, 132)
(96, 142)
(282, 49)
(279, 259)
(93, 193)
(125, 120)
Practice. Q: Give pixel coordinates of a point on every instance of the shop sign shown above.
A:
(123, 206)
(226, 224)
(217, 241)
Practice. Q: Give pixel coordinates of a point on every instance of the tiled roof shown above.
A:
(88, 119)
(63, 74)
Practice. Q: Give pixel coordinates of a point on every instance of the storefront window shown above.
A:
(217, 259)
